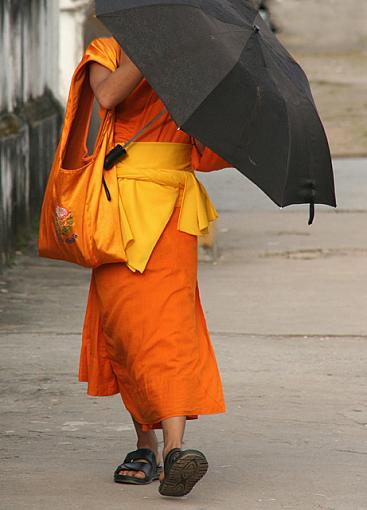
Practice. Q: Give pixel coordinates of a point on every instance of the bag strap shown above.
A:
(73, 143)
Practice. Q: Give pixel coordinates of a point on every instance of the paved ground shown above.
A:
(338, 82)
(286, 309)
(328, 39)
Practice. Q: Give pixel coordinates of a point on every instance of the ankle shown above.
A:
(148, 441)
(148, 444)
(170, 446)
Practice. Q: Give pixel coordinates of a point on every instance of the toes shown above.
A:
(136, 474)
(126, 473)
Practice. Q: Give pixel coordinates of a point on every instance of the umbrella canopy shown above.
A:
(226, 80)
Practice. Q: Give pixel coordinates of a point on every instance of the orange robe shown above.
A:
(145, 334)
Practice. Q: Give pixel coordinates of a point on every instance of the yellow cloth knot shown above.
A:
(150, 179)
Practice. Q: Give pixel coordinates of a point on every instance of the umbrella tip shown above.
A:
(256, 29)
(312, 213)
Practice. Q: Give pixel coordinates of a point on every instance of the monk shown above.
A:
(145, 335)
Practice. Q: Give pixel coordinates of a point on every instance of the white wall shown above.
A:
(29, 117)
(28, 51)
(72, 18)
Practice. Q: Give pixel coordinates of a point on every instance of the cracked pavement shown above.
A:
(286, 308)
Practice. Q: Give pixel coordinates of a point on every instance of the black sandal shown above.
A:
(182, 470)
(150, 468)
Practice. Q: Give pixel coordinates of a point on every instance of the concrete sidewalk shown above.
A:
(286, 307)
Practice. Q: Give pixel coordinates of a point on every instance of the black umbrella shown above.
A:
(226, 80)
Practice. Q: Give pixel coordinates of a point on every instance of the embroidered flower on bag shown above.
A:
(64, 223)
(61, 212)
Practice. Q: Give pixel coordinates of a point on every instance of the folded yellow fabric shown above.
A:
(150, 178)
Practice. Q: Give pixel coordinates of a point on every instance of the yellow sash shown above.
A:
(154, 177)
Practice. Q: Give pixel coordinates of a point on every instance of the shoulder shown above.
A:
(105, 51)
(104, 44)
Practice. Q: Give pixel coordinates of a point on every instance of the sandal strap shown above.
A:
(149, 468)
(142, 453)
(170, 459)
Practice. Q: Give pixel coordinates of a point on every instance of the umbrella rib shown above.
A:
(288, 124)
(216, 86)
(276, 58)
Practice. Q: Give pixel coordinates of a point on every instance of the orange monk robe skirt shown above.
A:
(154, 335)
(145, 334)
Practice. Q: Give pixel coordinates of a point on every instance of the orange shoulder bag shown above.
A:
(80, 220)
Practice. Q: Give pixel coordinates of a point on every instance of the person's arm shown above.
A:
(111, 88)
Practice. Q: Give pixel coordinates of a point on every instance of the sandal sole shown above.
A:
(184, 473)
